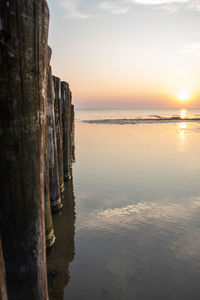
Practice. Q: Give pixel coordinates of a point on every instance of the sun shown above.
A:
(183, 95)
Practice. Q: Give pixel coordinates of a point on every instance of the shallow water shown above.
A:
(137, 203)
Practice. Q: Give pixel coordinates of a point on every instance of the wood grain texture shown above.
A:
(59, 129)
(54, 182)
(23, 65)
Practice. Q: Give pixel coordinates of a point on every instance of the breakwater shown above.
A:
(37, 142)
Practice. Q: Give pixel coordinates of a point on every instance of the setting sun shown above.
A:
(183, 95)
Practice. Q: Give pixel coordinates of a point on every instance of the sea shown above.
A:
(130, 224)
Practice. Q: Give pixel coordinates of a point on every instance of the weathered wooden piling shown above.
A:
(72, 130)
(23, 64)
(3, 288)
(72, 133)
(50, 237)
(66, 123)
(54, 183)
(59, 129)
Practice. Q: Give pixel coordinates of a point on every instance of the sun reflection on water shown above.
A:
(183, 126)
(182, 136)
(183, 113)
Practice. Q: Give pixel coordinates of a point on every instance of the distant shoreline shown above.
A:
(141, 121)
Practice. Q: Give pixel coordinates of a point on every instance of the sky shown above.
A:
(127, 53)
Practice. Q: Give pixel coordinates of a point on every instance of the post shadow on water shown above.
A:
(62, 253)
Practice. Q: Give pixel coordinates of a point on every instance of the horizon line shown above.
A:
(121, 108)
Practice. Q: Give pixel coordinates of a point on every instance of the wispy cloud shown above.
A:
(191, 49)
(114, 7)
(158, 2)
(194, 5)
(87, 9)
(170, 5)
(72, 9)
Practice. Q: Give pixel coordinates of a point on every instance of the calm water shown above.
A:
(136, 232)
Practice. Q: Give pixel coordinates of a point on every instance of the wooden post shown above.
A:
(59, 130)
(72, 133)
(50, 237)
(66, 122)
(3, 288)
(23, 69)
(55, 197)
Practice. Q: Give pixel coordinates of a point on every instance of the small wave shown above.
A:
(158, 119)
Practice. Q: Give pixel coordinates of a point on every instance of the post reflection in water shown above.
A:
(63, 252)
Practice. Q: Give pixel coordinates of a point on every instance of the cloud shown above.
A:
(191, 49)
(72, 9)
(194, 5)
(170, 5)
(115, 8)
(158, 2)
(79, 9)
